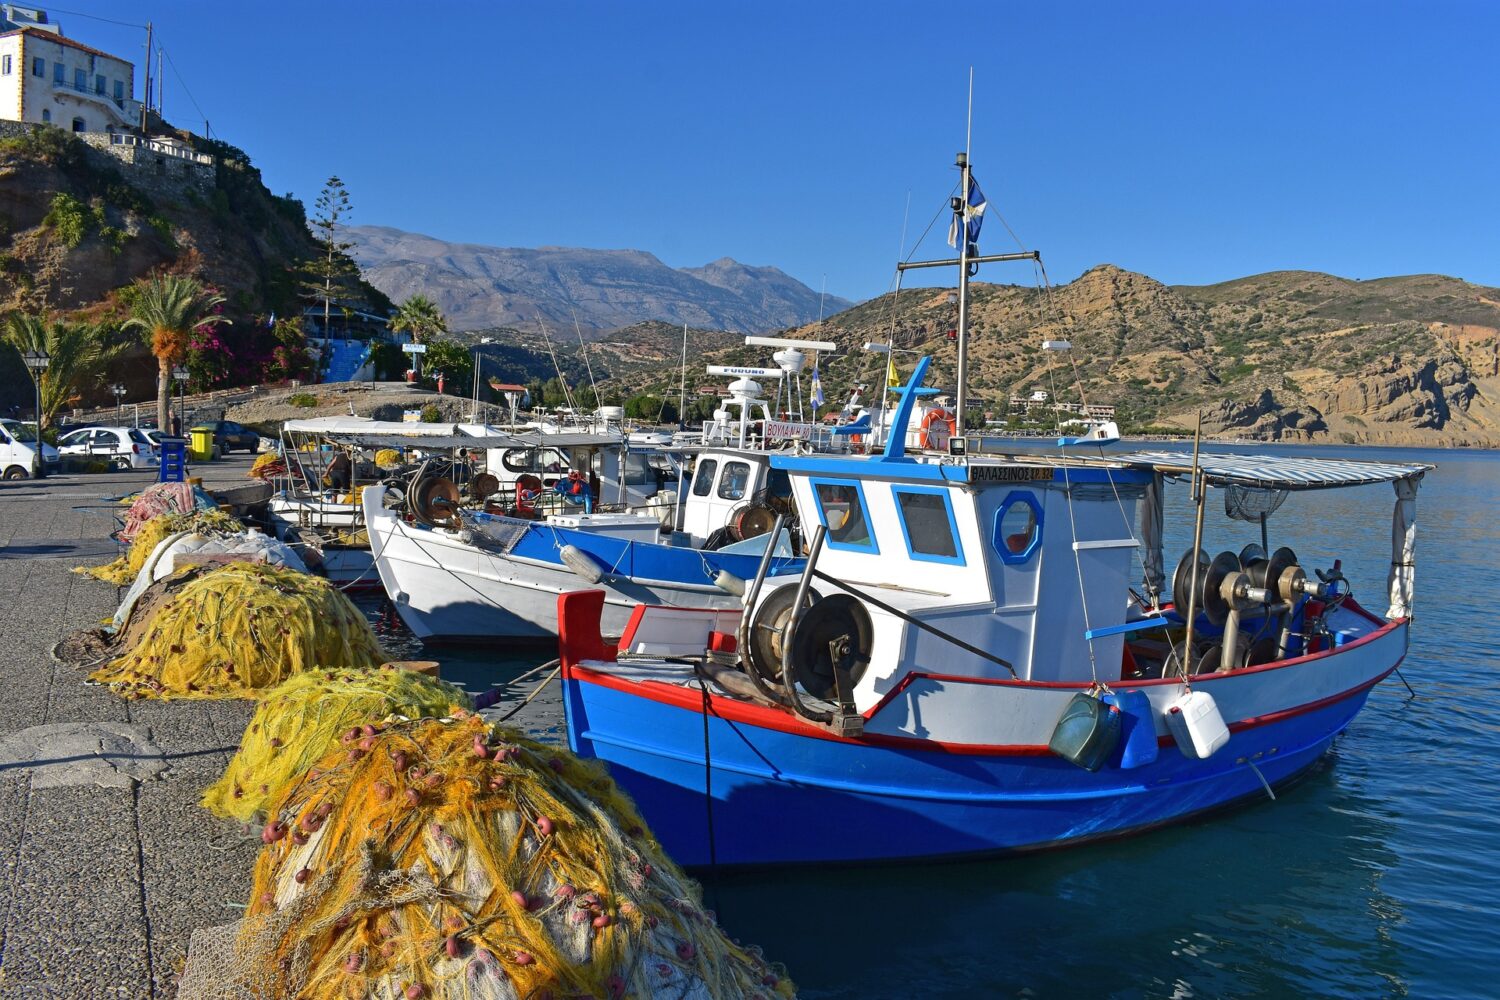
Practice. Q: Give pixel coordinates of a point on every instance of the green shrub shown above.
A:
(306, 399)
(431, 414)
(69, 218)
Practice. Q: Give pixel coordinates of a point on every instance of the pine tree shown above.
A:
(332, 273)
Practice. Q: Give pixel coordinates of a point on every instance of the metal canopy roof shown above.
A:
(397, 434)
(1271, 471)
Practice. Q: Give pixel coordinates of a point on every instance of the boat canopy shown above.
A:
(1269, 472)
(396, 434)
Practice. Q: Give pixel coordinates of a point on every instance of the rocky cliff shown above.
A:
(481, 287)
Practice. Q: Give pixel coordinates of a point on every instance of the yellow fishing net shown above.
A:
(446, 859)
(300, 720)
(239, 629)
(388, 458)
(268, 465)
(355, 496)
(123, 570)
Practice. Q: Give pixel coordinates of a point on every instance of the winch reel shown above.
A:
(827, 646)
(1230, 585)
(434, 501)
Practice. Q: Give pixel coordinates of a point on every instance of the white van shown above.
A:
(18, 450)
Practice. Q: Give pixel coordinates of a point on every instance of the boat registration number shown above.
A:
(1009, 473)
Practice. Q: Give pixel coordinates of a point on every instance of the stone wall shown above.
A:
(156, 173)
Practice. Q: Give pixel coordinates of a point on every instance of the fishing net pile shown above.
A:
(388, 458)
(300, 721)
(237, 630)
(205, 521)
(446, 859)
(163, 498)
(268, 465)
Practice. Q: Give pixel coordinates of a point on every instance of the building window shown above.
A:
(46, 114)
(98, 84)
(119, 91)
(841, 508)
(4, 65)
(80, 79)
(58, 73)
(79, 125)
(928, 524)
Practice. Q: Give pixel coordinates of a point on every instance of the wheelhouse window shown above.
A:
(927, 522)
(1018, 527)
(703, 479)
(841, 507)
(733, 483)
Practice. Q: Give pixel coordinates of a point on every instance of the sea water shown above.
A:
(1378, 875)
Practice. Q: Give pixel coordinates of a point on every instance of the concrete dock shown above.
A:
(105, 872)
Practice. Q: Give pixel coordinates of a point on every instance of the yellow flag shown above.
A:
(892, 380)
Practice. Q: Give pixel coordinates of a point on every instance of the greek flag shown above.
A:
(817, 388)
(973, 215)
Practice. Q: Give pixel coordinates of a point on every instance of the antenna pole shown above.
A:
(161, 84)
(146, 89)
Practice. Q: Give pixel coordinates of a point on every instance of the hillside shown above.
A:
(76, 225)
(1290, 356)
(481, 287)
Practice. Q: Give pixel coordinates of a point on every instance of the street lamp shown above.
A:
(181, 375)
(478, 351)
(36, 363)
(119, 391)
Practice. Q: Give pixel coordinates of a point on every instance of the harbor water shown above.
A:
(1378, 875)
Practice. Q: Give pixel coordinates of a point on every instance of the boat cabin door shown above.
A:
(723, 483)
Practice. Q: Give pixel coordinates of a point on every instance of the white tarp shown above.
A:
(1403, 575)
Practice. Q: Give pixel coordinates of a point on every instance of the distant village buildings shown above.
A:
(47, 78)
(1039, 400)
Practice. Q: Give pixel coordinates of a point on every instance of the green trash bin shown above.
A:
(202, 448)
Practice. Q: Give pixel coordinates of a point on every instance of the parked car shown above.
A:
(18, 450)
(229, 436)
(121, 447)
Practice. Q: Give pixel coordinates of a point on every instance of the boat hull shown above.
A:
(782, 794)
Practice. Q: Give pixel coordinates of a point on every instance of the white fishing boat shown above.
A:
(964, 666)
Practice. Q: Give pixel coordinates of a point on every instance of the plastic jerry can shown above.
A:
(1197, 725)
(1137, 728)
(1087, 732)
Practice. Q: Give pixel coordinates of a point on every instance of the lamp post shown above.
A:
(119, 391)
(36, 363)
(478, 351)
(180, 374)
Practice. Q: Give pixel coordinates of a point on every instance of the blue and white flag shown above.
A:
(973, 215)
(817, 388)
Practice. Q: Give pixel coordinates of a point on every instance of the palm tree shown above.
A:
(166, 309)
(420, 317)
(78, 354)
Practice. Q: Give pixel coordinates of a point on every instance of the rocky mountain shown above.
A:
(481, 287)
(1288, 355)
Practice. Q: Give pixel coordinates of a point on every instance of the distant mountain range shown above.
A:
(482, 287)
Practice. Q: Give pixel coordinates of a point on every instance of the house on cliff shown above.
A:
(48, 78)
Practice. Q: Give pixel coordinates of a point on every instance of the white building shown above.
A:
(46, 77)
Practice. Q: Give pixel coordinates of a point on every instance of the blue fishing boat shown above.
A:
(968, 664)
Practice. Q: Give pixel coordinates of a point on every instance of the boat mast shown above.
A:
(960, 203)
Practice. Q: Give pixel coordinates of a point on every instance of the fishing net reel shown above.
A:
(434, 501)
(824, 646)
(1227, 587)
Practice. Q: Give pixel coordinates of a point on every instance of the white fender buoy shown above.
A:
(581, 563)
(729, 583)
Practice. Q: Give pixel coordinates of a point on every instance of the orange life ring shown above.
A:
(937, 427)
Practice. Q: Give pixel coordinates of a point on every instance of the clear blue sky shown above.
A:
(1194, 141)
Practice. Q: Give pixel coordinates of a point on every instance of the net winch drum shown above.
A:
(483, 485)
(1088, 731)
(434, 501)
(766, 648)
(830, 650)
